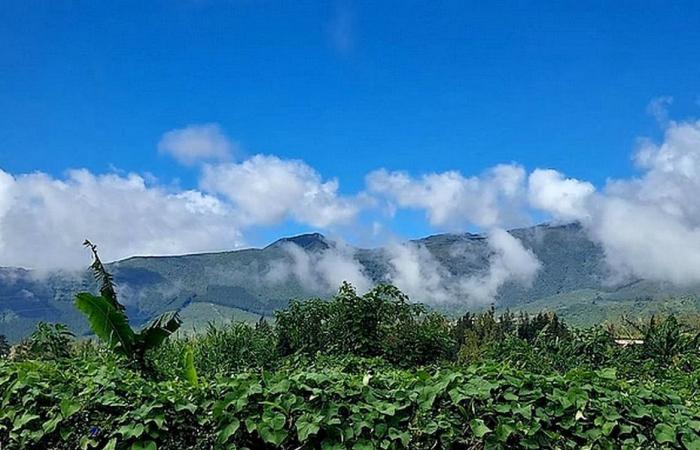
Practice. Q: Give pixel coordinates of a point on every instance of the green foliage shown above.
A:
(666, 339)
(48, 341)
(104, 279)
(4, 346)
(356, 372)
(108, 320)
(188, 369)
(90, 403)
(379, 323)
(220, 350)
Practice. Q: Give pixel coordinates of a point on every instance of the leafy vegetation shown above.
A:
(108, 320)
(370, 371)
(380, 323)
(4, 346)
(48, 341)
(217, 286)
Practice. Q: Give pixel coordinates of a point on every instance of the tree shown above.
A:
(4, 346)
(108, 320)
(381, 322)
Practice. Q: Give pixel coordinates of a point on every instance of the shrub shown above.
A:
(48, 341)
(220, 350)
(381, 322)
(4, 346)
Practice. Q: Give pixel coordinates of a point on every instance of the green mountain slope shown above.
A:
(215, 286)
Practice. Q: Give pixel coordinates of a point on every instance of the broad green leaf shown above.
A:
(23, 420)
(503, 431)
(69, 407)
(363, 445)
(479, 428)
(157, 331)
(189, 371)
(691, 441)
(664, 433)
(306, 429)
(133, 430)
(144, 445)
(274, 437)
(108, 323)
(229, 430)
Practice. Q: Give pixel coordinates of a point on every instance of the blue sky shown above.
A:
(348, 87)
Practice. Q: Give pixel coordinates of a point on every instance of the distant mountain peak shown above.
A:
(307, 241)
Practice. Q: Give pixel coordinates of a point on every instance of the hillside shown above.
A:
(217, 286)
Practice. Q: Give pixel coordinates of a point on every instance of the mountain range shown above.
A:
(573, 279)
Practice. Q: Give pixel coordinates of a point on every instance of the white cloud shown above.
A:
(509, 261)
(649, 226)
(564, 198)
(44, 220)
(418, 273)
(319, 271)
(195, 143)
(452, 200)
(267, 190)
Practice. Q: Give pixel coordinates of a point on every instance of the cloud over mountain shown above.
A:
(266, 189)
(43, 220)
(648, 225)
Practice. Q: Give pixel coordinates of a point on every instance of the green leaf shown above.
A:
(691, 441)
(104, 278)
(503, 431)
(189, 372)
(403, 436)
(363, 445)
(157, 331)
(108, 323)
(229, 430)
(50, 425)
(133, 430)
(69, 407)
(607, 374)
(664, 433)
(23, 420)
(306, 429)
(145, 445)
(274, 437)
(331, 445)
(479, 428)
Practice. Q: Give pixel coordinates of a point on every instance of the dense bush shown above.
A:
(48, 341)
(381, 322)
(220, 350)
(4, 346)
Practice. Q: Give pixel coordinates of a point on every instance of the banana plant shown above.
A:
(108, 320)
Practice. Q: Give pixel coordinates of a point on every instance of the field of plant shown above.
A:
(370, 371)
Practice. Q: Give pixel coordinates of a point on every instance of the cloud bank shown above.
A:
(43, 220)
(321, 271)
(419, 274)
(647, 225)
(266, 190)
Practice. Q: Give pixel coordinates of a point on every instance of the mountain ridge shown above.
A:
(254, 282)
